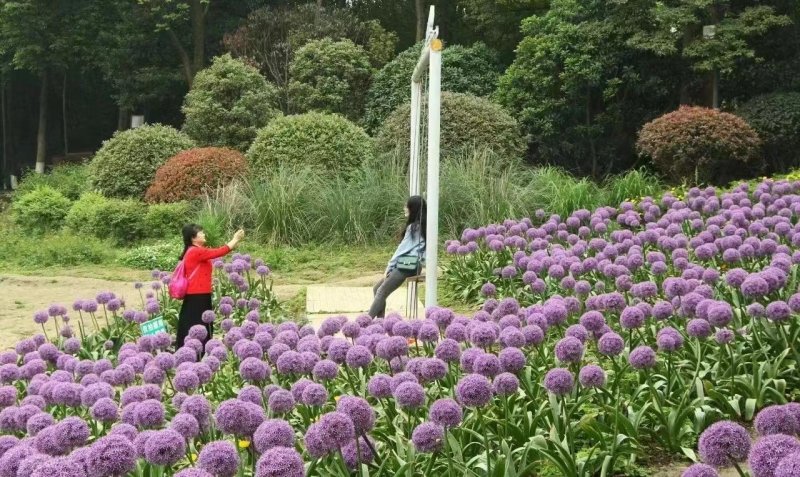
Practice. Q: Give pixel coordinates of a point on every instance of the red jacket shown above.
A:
(198, 267)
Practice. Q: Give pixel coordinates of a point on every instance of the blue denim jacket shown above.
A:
(412, 244)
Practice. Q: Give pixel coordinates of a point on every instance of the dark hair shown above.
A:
(417, 215)
(189, 232)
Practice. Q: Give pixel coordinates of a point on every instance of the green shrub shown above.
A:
(330, 76)
(61, 249)
(327, 142)
(228, 103)
(189, 174)
(43, 209)
(121, 220)
(465, 69)
(632, 185)
(72, 180)
(776, 119)
(469, 123)
(700, 145)
(165, 220)
(160, 256)
(126, 164)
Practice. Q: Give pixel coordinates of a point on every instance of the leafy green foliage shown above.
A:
(465, 69)
(121, 220)
(470, 123)
(64, 249)
(701, 145)
(72, 180)
(158, 256)
(43, 209)
(327, 142)
(776, 119)
(126, 164)
(166, 220)
(228, 103)
(330, 76)
(189, 174)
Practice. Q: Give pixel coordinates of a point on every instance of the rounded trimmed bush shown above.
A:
(471, 123)
(166, 220)
(228, 103)
(121, 220)
(190, 173)
(330, 76)
(776, 119)
(465, 69)
(701, 145)
(126, 164)
(325, 141)
(43, 209)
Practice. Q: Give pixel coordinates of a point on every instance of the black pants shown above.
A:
(192, 314)
(384, 288)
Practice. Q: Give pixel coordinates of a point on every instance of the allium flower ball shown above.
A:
(592, 376)
(337, 428)
(505, 384)
(428, 437)
(569, 350)
(610, 344)
(273, 433)
(488, 290)
(724, 336)
(724, 443)
(186, 425)
(281, 401)
(380, 386)
(219, 458)
(698, 328)
(409, 395)
(559, 381)
(239, 418)
(280, 462)
(165, 448)
(254, 370)
(776, 420)
(789, 466)
(474, 390)
(112, 455)
(700, 470)
(314, 395)
(631, 318)
(768, 451)
(643, 357)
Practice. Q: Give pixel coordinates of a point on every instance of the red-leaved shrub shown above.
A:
(701, 145)
(190, 173)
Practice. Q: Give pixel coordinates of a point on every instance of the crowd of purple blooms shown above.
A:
(617, 291)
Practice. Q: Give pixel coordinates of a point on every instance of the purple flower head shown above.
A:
(698, 328)
(559, 381)
(669, 340)
(409, 395)
(789, 466)
(281, 401)
(325, 370)
(446, 412)
(724, 443)
(505, 384)
(631, 318)
(724, 336)
(219, 458)
(273, 433)
(337, 428)
(767, 452)
(314, 395)
(778, 311)
(186, 425)
(380, 386)
(164, 447)
(112, 455)
(643, 357)
(474, 390)
(610, 344)
(700, 470)
(280, 462)
(359, 411)
(428, 437)
(592, 376)
(239, 418)
(569, 350)
(776, 420)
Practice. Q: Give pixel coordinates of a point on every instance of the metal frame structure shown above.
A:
(430, 62)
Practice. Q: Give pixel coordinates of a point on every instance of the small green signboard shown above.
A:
(153, 326)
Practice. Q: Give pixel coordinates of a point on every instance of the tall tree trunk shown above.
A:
(5, 169)
(186, 62)
(420, 8)
(592, 148)
(198, 35)
(64, 113)
(123, 119)
(41, 136)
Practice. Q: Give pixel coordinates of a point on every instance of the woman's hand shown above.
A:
(237, 237)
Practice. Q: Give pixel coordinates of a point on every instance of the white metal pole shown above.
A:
(432, 232)
(413, 164)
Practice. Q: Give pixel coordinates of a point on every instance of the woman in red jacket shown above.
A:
(197, 266)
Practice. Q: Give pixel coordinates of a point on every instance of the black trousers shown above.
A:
(191, 314)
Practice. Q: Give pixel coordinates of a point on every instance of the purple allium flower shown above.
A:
(186, 381)
(62, 466)
(662, 310)
(358, 357)
(768, 451)
(700, 470)
(776, 420)
(483, 335)
(280, 462)
(164, 447)
(610, 344)
(314, 395)
(273, 433)
(105, 410)
(219, 458)
(593, 320)
(720, 314)
(315, 442)
(559, 381)
(428, 437)
(352, 458)
(631, 317)
(724, 443)
(488, 290)
(569, 350)
(38, 422)
(474, 390)
(359, 411)
(643, 357)
(254, 370)
(698, 328)
(592, 376)
(239, 418)
(337, 428)
(669, 339)
(505, 384)
(380, 386)
(789, 466)
(149, 414)
(112, 455)
(448, 350)
(409, 395)
(754, 286)
(186, 425)
(281, 401)
(724, 336)
(486, 364)
(11, 459)
(778, 311)
(512, 360)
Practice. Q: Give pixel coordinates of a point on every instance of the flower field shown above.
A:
(664, 327)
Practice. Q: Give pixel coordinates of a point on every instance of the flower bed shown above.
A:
(604, 338)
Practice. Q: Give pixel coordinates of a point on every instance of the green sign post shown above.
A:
(153, 326)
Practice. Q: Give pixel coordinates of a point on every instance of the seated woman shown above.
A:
(407, 259)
